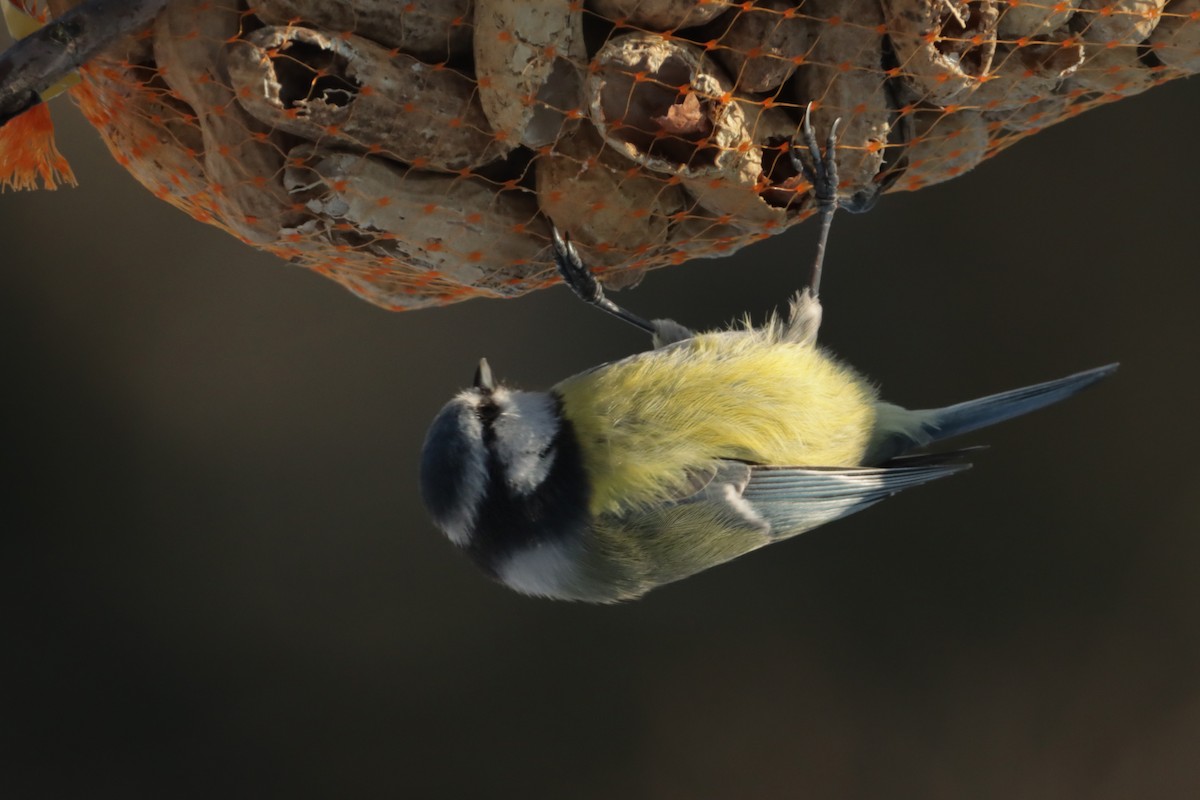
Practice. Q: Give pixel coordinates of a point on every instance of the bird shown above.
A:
(646, 470)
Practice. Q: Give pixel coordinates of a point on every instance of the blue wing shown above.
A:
(792, 500)
(729, 510)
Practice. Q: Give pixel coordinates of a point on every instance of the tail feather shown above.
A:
(942, 423)
(975, 414)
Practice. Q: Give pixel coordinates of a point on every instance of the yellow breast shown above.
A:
(645, 421)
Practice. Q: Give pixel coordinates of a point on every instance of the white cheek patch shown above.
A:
(542, 570)
(526, 426)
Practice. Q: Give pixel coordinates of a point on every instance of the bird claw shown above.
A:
(818, 169)
(573, 271)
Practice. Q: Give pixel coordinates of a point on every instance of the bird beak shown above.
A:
(483, 377)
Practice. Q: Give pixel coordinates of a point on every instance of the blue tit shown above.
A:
(647, 470)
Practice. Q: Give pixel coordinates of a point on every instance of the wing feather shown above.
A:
(730, 509)
(796, 499)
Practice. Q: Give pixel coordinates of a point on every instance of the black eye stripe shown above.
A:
(487, 411)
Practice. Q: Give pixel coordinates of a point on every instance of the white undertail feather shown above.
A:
(801, 324)
(804, 318)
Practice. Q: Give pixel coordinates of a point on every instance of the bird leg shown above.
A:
(584, 284)
(820, 171)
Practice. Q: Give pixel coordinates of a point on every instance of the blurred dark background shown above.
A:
(218, 580)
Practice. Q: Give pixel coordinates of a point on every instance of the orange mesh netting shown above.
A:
(418, 152)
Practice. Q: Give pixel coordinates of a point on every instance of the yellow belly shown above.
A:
(645, 421)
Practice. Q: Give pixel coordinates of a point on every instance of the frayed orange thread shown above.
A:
(27, 148)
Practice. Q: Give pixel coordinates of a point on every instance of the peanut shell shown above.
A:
(665, 104)
(1034, 18)
(1033, 115)
(944, 146)
(529, 60)
(366, 97)
(945, 47)
(844, 80)
(613, 210)
(243, 160)
(1176, 39)
(457, 230)
(660, 15)
(1116, 71)
(1117, 21)
(760, 45)
(759, 190)
(1022, 75)
(432, 30)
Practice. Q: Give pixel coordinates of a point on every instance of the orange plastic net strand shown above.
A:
(28, 153)
(27, 149)
(418, 153)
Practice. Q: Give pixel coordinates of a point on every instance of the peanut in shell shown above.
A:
(944, 145)
(612, 208)
(457, 231)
